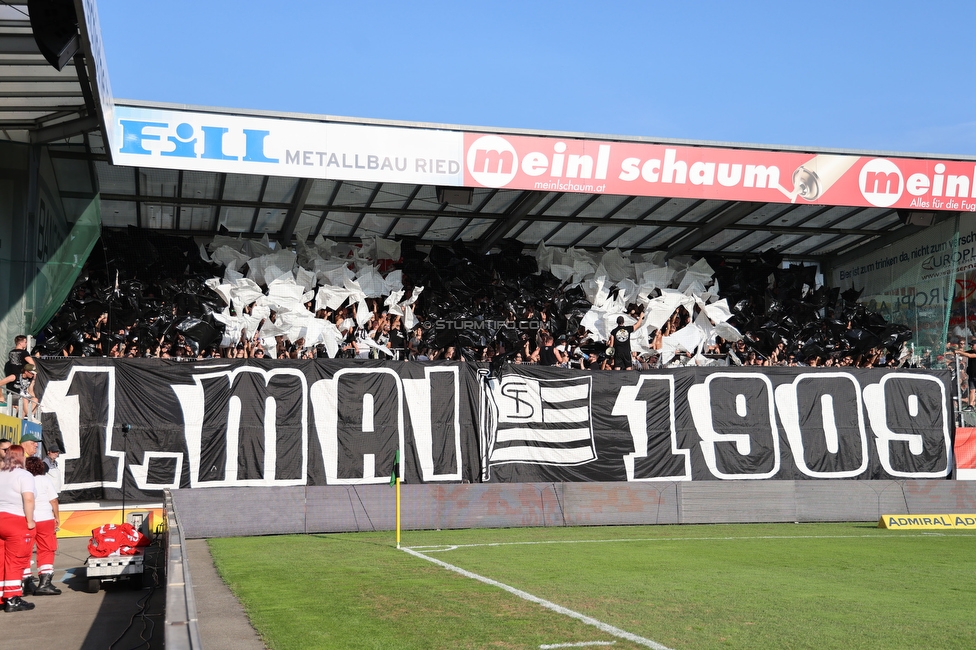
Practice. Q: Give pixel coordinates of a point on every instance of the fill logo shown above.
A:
(881, 182)
(492, 161)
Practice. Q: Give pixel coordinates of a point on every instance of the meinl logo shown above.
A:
(881, 182)
(492, 161)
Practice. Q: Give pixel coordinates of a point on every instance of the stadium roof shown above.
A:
(37, 102)
(181, 193)
(199, 202)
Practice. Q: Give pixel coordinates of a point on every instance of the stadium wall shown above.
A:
(45, 238)
(242, 511)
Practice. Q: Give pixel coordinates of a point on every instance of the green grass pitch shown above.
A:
(720, 586)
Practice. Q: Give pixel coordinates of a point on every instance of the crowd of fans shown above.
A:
(147, 295)
(580, 349)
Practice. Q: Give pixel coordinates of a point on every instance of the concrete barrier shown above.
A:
(239, 511)
(182, 632)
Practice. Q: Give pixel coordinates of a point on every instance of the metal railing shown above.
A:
(10, 404)
(182, 631)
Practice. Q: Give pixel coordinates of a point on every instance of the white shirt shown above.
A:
(362, 348)
(43, 510)
(54, 475)
(12, 485)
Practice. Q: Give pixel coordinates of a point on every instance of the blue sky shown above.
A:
(889, 76)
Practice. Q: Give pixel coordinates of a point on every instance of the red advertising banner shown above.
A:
(637, 169)
(965, 453)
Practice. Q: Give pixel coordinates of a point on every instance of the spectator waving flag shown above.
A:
(542, 421)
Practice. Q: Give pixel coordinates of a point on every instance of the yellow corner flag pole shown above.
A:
(395, 482)
(398, 510)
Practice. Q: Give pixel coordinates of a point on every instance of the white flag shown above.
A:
(542, 421)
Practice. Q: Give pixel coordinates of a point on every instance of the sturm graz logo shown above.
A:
(520, 408)
(543, 422)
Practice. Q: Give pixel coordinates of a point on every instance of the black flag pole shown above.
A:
(125, 452)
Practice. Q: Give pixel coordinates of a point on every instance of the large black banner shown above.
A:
(256, 423)
(156, 424)
(708, 423)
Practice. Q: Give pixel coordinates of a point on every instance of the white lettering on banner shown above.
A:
(193, 402)
(882, 184)
(677, 172)
(824, 387)
(334, 425)
(432, 429)
(955, 185)
(632, 403)
(359, 418)
(419, 402)
(59, 398)
(141, 472)
(493, 161)
(908, 416)
(758, 417)
(553, 164)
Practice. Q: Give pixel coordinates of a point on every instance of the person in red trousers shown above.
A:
(48, 518)
(16, 527)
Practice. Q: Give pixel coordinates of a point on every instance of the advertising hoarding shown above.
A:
(306, 148)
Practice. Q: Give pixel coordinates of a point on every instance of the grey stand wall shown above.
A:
(229, 512)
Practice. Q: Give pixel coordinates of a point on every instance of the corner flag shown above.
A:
(395, 482)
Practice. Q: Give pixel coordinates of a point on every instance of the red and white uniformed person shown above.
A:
(47, 517)
(16, 526)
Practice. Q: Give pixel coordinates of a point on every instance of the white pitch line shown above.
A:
(451, 547)
(581, 644)
(559, 609)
